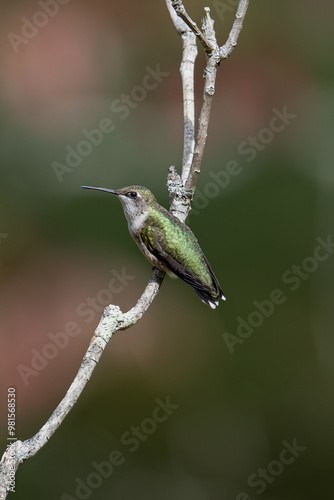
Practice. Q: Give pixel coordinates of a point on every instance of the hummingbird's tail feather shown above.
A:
(207, 298)
(218, 289)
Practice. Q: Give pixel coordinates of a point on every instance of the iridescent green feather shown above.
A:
(178, 241)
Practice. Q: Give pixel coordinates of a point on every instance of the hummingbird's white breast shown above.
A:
(135, 224)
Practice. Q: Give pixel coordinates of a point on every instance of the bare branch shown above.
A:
(210, 73)
(227, 49)
(209, 42)
(179, 197)
(179, 25)
(181, 11)
(214, 55)
(189, 54)
(112, 321)
(193, 151)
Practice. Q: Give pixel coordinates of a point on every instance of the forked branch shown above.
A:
(214, 54)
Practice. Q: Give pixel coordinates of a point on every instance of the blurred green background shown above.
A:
(240, 399)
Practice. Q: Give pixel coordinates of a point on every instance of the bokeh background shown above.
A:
(239, 400)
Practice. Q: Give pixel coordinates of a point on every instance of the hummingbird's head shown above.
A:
(136, 200)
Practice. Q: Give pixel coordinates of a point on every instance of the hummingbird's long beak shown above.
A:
(101, 189)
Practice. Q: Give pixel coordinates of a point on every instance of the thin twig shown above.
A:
(208, 39)
(214, 55)
(181, 11)
(210, 73)
(227, 49)
(189, 54)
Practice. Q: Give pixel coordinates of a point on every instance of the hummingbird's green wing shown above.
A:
(208, 293)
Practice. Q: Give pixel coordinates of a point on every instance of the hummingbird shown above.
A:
(166, 242)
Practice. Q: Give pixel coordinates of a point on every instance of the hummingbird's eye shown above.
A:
(132, 194)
